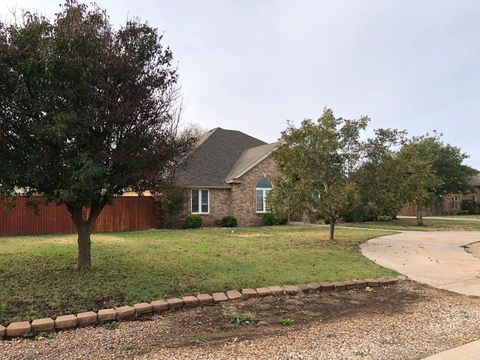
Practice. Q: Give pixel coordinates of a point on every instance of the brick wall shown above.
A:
(243, 194)
(219, 206)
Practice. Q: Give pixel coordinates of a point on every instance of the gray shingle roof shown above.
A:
(214, 156)
(475, 180)
(249, 158)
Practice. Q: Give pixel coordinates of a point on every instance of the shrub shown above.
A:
(229, 221)
(193, 222)
(270, 219)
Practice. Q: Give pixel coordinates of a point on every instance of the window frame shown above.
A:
(200, 198)
(265, 192)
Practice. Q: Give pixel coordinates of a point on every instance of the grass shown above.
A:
(38, 274)
(429, 225)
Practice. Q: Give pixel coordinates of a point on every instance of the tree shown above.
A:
(86, 112)
(379, 178)
(315, 162)
(434, 168)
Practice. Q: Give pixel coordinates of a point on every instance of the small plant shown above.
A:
(286, 322)
(193, 222)
(111, 326)
(198, 340)
(127, 347)
(229, 221)
(280, 310)
(243, 320)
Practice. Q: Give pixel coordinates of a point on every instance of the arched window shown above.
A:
(264, 186)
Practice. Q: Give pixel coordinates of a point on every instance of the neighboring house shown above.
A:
(228, 173)
(449, 203)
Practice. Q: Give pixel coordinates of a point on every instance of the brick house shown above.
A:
(449, 203)
(228, 173)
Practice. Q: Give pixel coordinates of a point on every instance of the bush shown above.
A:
(229, 221)
(193, 222)
(270, 219)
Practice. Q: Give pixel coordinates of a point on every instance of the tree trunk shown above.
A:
(84, 244)
(419, 215)
(332, 228)
(84, 230)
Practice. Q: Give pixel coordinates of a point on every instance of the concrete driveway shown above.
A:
(434, 258)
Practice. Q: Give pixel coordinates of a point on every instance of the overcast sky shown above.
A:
(251, 64)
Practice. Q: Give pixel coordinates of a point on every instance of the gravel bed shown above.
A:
(405, 321)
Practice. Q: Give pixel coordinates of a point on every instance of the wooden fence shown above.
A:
(127, 213)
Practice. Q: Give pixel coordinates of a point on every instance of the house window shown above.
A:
(264, 186)
(200, 201)
(456, 203)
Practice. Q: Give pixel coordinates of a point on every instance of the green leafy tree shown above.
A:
(379, 178)
(315, 161)
(86, 112)
(433, 168)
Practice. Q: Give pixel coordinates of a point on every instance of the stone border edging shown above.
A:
(90, 318)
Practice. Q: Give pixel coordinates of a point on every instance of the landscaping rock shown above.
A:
(219, 297)
(249, 293)
(327, 286)
(233, 294)
(339, 285)
(372, 282)
(87, 318)
(45, 324)
(105, 315)
(175, 303)
(205, 299)
(305, 288)
(315, 287)
(2, 331)
(276, 290)
(18, 328)
(142, 308)
(66, 322)
(159, 305)
(262, 292)
(360, 283)
(125, 312)
(190, 301)
(291, 289)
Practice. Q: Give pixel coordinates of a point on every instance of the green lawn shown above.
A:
(429, 225)
(38, 276)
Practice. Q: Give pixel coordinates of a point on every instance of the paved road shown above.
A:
(434, 258)
(459, 218)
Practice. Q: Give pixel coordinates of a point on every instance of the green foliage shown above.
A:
(286, 322)
(272, 218)
(243, 319)
(315, 162)
(193, 222)
(111, 326)
(471, 207)
(198, 340)
(229, 221)
(87, 111)
(171, 205)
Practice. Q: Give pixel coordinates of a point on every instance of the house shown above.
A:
(449, 204)
(228, 173)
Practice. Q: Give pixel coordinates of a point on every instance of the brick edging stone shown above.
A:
(70, 321)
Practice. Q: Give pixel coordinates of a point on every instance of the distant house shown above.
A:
(228, 173)
(449, 204)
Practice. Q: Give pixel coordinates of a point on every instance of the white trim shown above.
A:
(264, 196)
(200, 212)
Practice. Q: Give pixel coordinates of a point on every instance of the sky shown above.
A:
(251, 65)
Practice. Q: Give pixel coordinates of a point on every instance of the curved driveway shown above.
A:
(434, 258)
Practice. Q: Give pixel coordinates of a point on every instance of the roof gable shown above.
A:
(214, 156)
